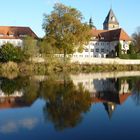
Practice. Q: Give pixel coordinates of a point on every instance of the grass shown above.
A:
(50, 68)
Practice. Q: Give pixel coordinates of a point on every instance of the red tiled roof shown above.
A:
(111, 35)
(16, 103)
(17, 32)
(122, 98)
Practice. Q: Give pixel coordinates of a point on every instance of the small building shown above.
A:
(15, 35)
(104, 42)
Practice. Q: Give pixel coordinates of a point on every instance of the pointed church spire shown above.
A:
(111, 21)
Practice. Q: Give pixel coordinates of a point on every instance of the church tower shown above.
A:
(111, 21)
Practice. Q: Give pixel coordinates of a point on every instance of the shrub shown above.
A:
(10, 53)
(10, 67)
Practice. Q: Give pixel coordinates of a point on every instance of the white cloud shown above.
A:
(14, 126)
(10, 127)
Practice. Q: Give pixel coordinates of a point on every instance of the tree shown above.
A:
(64, 29)
(131, 49)
(45, 48)
(10, 53)
(29, 47)
(118, 50)
(136, 39)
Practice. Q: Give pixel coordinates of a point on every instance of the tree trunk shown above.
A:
(65, 53)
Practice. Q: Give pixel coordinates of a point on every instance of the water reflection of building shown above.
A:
(109, 91)
(14, 100)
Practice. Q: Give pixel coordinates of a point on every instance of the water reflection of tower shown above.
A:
(110, 108)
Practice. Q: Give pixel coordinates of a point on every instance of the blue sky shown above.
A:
(30, 12)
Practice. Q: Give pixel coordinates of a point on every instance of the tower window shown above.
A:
(113, 18)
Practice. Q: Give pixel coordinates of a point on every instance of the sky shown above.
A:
(30, 12)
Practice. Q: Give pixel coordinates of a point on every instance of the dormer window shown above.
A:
(1, 35)
(93, 38)
(22, 35)
(11, 35)
(102, 38)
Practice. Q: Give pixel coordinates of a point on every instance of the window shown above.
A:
(11, 35)
(113, 18)
(102, 50)
(97, 50)
(86, 50)
(1, 35)
(92, 50)
(22, 35)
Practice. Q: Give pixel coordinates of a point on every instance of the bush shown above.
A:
(10, 67)
(10, 53)
(130, 56)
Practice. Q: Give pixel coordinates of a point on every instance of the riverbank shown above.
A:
(46, 69)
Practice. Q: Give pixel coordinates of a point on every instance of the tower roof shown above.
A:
(111, 18)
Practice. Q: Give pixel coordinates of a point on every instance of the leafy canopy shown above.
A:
(29, 47)
(136, 40)
(64, 29)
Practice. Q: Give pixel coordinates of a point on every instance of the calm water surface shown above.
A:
(70, 107)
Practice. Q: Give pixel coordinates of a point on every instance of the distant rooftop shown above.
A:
(110, 35)
(14, 32)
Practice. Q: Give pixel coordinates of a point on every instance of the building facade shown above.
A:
(15, 35)
(104, 42)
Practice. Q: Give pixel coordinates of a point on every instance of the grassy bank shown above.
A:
(45, 69)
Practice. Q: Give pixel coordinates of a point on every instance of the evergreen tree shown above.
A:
(131, 49)
(119, 50)
(91, 23)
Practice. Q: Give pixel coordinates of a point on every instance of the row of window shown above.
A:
(12, 35)
(100, 43)
(18, 43)
(86, 56)
(96, 50)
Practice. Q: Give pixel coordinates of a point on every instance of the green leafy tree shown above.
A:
(118, 50)
(131, 49)
(45, 48)
(64, 29)
(8, 52)
(136, 39)
(30, 47)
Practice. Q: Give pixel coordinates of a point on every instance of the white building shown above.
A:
(15, 35)
(104, 42)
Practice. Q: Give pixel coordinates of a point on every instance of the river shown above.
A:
(70, 107)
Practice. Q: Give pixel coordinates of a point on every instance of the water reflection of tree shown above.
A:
(65, 103)
(136, 91)
(9, 86)
(31, 90)
(27, 86)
